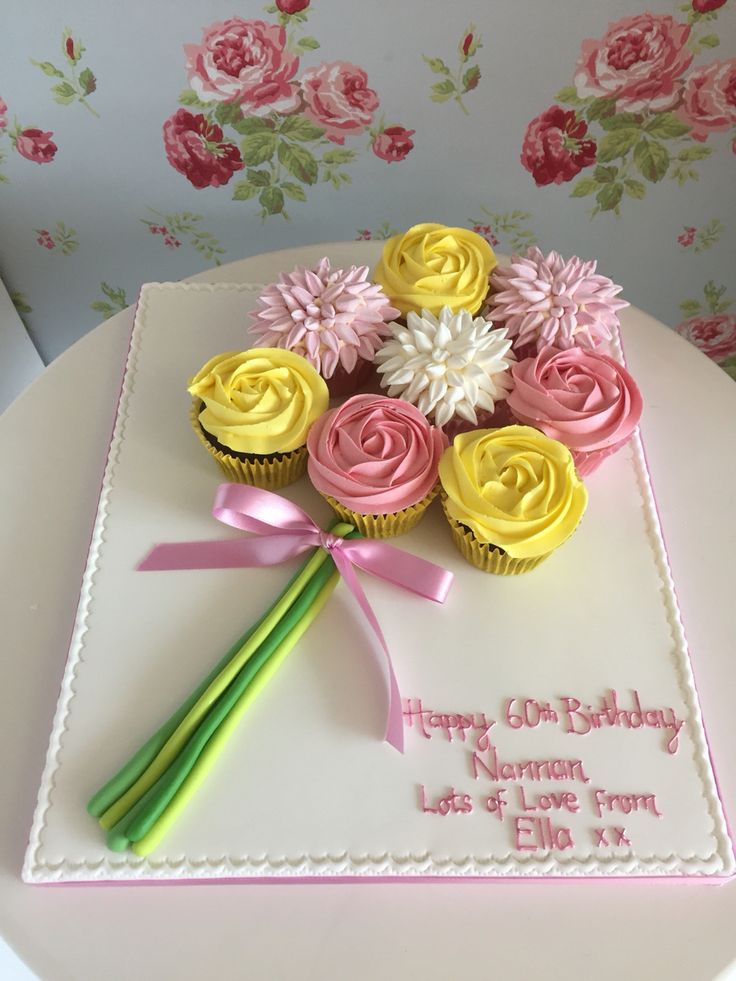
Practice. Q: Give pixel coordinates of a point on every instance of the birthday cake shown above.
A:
(548, 714)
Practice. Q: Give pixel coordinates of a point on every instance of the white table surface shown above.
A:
(53, 444)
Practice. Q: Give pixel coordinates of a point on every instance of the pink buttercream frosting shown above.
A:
(375, 455)
(584, 399)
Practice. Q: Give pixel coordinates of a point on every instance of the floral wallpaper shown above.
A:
(180, 141)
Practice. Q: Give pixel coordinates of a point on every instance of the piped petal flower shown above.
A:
(551, 300)
(447, 365)
(332, 317)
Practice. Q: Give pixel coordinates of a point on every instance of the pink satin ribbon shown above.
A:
(282, 530)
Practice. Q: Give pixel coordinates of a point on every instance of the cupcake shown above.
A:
(584, 399)
(511, 497)
(375, 460)
(454, 367)
(432, 266)
(335, 318)
(548, 300)
(252, 411)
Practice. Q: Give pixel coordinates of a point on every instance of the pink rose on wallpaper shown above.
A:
(3, 114)
(709, 99)
(292, 6)
(555, 148)
(713, 333)
(338, 99)
(194, 147)
(45, 239)
(35, 145)
(393, 143)
(687, 237)
(704, 6)
(639, 62)
(244, 61)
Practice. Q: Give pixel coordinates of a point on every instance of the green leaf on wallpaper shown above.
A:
(244, 191)
(293, 191)
(666, 126)
(48, 69)
(471, 78)
(569, 96)
(437, 65)
(20, 302)
(65, 93)
(609, 196)
(190, 98)
(299, 162)
(709, 41)
(272, 200)
(604, 175)
(340, 156)
(252, 125)
(713, 296)
(635, 189)
(599, 108)
(88, 81)
(695, 152)
(307, 43)
(729, 366)
(689, 308)
(444, 90)
(300, 128)
(116, 294)
(652, 159)
(228, 113)
(583, 187)
(622, 120)
(259, 147)
(617, 144)
(259, 178)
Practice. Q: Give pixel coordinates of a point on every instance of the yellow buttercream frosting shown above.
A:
(515, 488)
(259, 401)
(431, 266)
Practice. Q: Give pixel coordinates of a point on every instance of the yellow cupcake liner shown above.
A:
(384, 525)
(488, 558)
(270, 474)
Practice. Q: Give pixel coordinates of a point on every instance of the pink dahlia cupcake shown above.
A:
(547, 300)
(335, 318)
(375, 460)
(584, 399)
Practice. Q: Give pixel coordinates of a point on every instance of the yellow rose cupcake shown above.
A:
(432, 266)
(511, 496)
(252, 411)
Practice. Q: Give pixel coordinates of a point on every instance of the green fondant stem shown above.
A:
(116, 798)
(215, 745)
(168, 784)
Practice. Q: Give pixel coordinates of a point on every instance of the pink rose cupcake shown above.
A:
(584, 399)
(376, 460)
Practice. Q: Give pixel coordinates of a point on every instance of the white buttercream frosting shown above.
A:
(448, 365)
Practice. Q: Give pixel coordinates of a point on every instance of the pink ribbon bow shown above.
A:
(282, 530)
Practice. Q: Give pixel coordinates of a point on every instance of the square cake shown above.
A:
(551, 721)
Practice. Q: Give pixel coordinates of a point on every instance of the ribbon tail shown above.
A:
(400, 568)
(394, 734)
(228, 553)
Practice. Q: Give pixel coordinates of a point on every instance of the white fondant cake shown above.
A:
(552, 724)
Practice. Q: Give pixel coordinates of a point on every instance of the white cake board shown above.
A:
(306, 788)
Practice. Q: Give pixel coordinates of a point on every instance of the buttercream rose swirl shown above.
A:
(584, 399)
(259, 401)
(375, 455)
(431, 266)
(514, 488)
